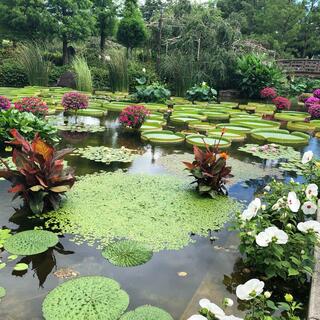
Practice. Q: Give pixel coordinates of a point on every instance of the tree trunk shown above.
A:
(65, 50)
(102, 40)
(159, 39)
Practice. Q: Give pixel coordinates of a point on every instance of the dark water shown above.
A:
(210, 265)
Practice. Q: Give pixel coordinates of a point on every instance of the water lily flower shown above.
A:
(271, 234)
(309, 226)
(307, 157)
(293, 202)
(309, 208)
(213, 308)
(250, 289)
(232, 317)
(312, 191)
(197, 317)
(252, 209)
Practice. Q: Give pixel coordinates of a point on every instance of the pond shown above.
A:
(173, 279)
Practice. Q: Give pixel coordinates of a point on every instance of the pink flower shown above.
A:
(311, 101)
(316, 93)
(5, 103)
(314, 111)
(281, 103)
(133, 116)
(33, 105)
(268, 93)
(75, 101)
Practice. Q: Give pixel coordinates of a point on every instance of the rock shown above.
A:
(68, 79)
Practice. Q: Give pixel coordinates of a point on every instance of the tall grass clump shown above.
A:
(118, 70)
(31, 60)
(83, 74)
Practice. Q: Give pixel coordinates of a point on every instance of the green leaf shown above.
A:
(12, 257)
(293, 272)
(21, 267)
(2, 265)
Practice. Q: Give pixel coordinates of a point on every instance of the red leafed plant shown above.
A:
(40, 178)
(210, 170)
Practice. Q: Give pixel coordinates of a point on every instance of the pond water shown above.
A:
(211, 265)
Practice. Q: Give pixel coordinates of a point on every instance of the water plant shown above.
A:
(133, 116)
(155, 92)
(40, 178)
(209, 169)
(5, 103)
(83, 74)
(202, 92)
(74, 101)
(127, 253)
(27, 243)
(33, 105)
(91, 297)
(147, 312)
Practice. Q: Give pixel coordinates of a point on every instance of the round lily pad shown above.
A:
(31, 242)
(21, 267)
(148, 127)
(232, 136)
(164, 136)
(127, 253)
(280, 136)
(200, 126)
(201, 141)
(257, 124)
(234, 127)
(244, 115)
(86, 298)
(147, 313)
(215, 115)
(301, 126)
(247, 107)
(181, 119)
(2, 292)
(291, 116)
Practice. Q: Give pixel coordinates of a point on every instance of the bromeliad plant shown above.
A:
(210, 169)
(133, 116)
(40, 178)
(201, 92)
(33, 105)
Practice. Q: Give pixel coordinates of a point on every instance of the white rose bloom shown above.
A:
(309, 208)
(271, 234)
(250, 289)
(308, 226)
(312, 191)
(293, 202)
(307, 157)
(213, 308)
(197, 317)
(230, 318)
(252, 209)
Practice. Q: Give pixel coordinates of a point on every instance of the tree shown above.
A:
(132, 31)
(70, 20)
(105, 14)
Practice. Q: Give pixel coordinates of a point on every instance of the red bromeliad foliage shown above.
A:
(32, 104)
(75, 101)
(281, 103)
(210, 169)
(133, 116)
(268, 93)
(40, 178)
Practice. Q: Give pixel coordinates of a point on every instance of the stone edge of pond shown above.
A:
(314, 302)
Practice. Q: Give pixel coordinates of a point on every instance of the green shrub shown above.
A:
(155, 92)
(256, 72)
(100, 78)
(12, 75)
(201, 92)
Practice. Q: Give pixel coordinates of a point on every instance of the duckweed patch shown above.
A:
(127, 253)
(86, 298)
(30, 242)
(147, 313)
(159, 211)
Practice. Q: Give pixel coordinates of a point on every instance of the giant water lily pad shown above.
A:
(215, 115)
(85, 298)
(107, 155)
(147, 313)
(257, 124)
(301, 126)
(234, 128)
(200, 126)
(193, 115)
(232, 136)
(158, 211)
(280, 136)
(127, 253)
(201, 141)
(179, 120)
(164, 136)
(27, 243)
(291, 116)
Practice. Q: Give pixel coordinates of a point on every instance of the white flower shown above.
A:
(204, 83)
(307, 157)
(271, 234)
(309, 226)
(252, 209)
(312, 191)
(279, 204)
(213, 308)
(230, 318)
(228, 302)
(144, 70)
(293, 202)
(197, 317)
(250, 289)
(267, 188)
(309, 208)
(107, 58)
(263, 207)
(267, 294)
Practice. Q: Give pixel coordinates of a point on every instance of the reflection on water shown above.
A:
(213, 268)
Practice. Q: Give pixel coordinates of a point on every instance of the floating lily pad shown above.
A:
(193, 115)
(127, 253)
(280, 136)
(234, 128)
(247, 107)
(81, 128)
(201, 141)
(150, 127)
(291, 116)
(89, 112)
(179, 120)
(27, 243)
(107, 155)
(200, 126)
(271, 151)
(2, 292)
(244, 115)
(86, 298)
(212, 115)
(232, 136)
(257, 124)
(5, 234)
(158, 211)
(2, 265)
(301, 127)
(147, 313)
(21, 267)
(164, 136)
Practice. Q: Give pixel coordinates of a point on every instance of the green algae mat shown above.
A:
(159, 211)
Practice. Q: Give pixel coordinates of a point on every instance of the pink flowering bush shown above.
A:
(5, 103)
(33, 105)
(75, 101)
(311, 101)
(314, 111)
(268, 93)
(316, 93)
(133, 116)
(281, 103)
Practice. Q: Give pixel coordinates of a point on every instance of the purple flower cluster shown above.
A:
(310, 101)
(316, 93)
(314, 111)
(312, 104)
(75, 101)
(5, 103)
